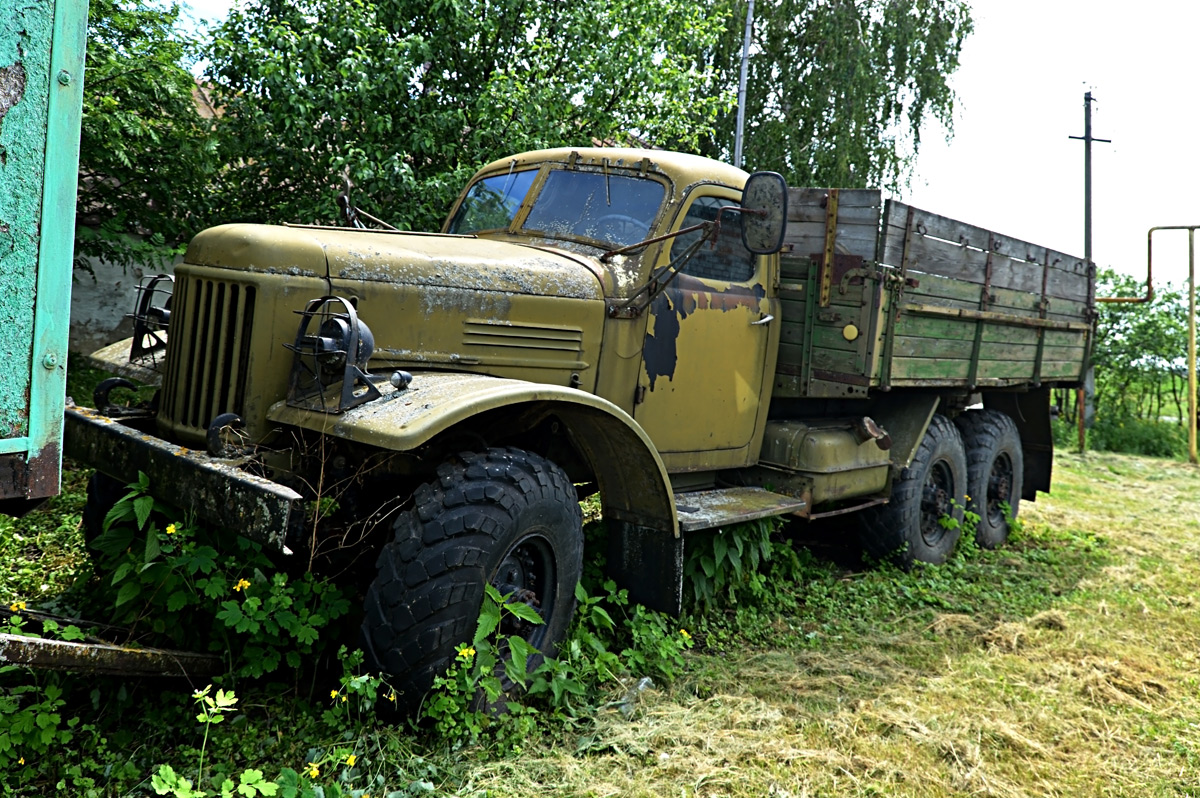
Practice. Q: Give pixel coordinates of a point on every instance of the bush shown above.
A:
(1137, 436)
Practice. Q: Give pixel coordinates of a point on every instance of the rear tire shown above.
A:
(506, 517)
(995, 467)
(909, 529)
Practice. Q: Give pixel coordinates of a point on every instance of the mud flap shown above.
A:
(647, 563)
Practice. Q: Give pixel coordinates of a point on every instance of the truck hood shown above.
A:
(430, 259)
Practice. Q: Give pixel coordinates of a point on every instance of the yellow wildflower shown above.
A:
(171, 529)
(17, 606)
(684, 633)
(333, 693)
(350, 760)
(466, 652)
(313, 771)
(344, 699)
(21, 761)
(241, 585)
(392, 696)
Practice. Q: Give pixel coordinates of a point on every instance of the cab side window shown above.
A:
(725, 259)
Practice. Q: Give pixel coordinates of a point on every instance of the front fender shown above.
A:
(634, 485)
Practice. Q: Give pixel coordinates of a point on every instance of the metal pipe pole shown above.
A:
(741, 102)
(1192, 346)
(1087, 176)
(1086, 399)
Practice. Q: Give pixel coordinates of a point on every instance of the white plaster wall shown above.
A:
(100, 304)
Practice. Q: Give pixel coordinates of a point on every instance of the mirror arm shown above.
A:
(612, 253)
(631, 308)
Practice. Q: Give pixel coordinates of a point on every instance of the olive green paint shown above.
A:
(41, 95)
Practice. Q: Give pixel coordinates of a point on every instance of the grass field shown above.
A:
(1065, 664)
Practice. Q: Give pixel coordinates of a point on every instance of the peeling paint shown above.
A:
(682, 298)
(12, 88)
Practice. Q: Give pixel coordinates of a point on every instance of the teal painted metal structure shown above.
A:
(41, 97)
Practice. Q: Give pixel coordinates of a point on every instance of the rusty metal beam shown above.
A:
(217, 491)
(102, 658)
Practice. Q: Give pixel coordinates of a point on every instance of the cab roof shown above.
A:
(683, 169)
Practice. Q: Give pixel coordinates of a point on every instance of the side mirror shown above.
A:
(765, 201)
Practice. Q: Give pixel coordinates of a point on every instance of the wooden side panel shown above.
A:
(971, 307)
(858, 222)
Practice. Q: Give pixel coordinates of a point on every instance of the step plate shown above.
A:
(706, 509)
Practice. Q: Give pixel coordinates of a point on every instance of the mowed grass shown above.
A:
(1065, 664)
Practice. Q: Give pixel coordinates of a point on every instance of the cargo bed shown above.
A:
(877, 294)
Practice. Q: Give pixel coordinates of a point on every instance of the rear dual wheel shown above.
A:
(922, 521)
(505, 517)
(995, 467)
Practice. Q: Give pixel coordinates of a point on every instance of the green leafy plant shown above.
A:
(210, 588)
(725, 565)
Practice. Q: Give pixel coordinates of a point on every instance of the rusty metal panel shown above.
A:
(41, 96)
(216, 491)
(103, 658)
(707, 509)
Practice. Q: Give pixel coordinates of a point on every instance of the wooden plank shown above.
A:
(104, 658)
(847, 214)
(849, 198)
(926, 309)
(808, 238)
(957, 249)
(834, 360)
(924, 327)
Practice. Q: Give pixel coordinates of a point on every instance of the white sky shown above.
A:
(1011, 166)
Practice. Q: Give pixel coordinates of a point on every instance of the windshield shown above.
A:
(492, 203)
(614, 209)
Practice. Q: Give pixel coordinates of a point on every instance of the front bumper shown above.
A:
(215, 490)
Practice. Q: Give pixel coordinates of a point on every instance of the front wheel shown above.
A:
(504, 517)
(923, 520)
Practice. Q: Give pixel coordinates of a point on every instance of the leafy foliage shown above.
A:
(724, 566)
(1141, 372)
(405, 99)
(837, 92)
(146, 154)
(210, 589)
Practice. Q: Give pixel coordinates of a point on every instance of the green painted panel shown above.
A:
(25, 39)
(41, 96)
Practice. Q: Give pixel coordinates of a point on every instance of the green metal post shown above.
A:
(41, 98)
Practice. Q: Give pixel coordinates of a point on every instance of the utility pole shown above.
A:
(1087, 394)
(741, 101)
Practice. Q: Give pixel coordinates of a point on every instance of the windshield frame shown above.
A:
(516, 226)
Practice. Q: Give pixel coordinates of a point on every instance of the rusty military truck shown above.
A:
(698, 345)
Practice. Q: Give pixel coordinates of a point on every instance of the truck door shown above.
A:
(709, 347)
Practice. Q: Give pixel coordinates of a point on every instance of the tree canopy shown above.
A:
(145, 154)
(405, 99)
(838, 90)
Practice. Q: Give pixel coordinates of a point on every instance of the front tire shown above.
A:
(995, 467)
(911, 528)
(506, 517)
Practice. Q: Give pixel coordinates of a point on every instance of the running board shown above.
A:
(706, 509)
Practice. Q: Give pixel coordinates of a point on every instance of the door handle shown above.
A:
(764, 320)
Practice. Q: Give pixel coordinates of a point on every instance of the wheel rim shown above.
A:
(999, 488)
(527, 574)
(936, 502)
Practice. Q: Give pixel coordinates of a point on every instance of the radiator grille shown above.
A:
(208, 351)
